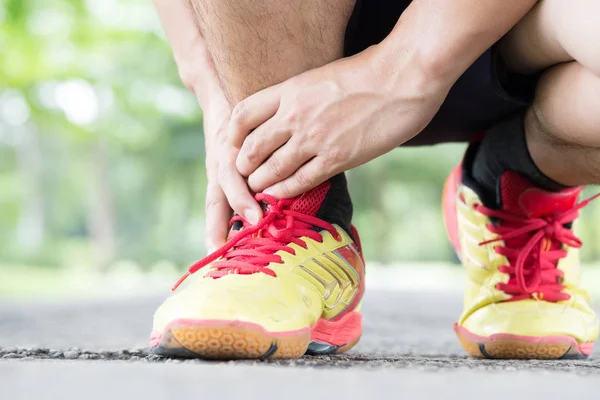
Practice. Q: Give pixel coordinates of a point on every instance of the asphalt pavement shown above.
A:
(96, 349)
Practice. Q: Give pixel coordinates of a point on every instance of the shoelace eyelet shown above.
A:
(532, 258)
(255, 245)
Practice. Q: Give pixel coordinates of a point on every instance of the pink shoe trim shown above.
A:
(584, 348)
(155, 338)
(336, 333)
(212, 322)
(449, 199)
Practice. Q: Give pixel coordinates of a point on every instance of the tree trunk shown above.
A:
(101, 213)
(31, 229)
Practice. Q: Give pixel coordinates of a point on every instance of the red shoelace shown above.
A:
(533, 247)
(250, 250)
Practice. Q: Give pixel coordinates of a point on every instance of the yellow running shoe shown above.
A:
(523, 297)
(289, 285)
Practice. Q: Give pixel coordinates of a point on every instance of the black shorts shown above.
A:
(483, 95)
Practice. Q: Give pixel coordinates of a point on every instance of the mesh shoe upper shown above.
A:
(284, 273)
(520, 256)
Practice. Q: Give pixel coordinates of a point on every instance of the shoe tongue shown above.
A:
(310, 203)
(520, 196)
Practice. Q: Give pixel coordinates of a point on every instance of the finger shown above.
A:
(280, 165)
(307, 177)
(238, 195)
(251, 113)
(260, 144)
(218, 214)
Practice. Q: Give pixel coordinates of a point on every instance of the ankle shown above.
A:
(504, 148)
(337, 206)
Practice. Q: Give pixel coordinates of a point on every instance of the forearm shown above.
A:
(446, 37)
(189, 50)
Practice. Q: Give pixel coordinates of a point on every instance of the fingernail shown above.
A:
(269, 191)
(251, 216)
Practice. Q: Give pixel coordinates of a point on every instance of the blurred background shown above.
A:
(102, 157)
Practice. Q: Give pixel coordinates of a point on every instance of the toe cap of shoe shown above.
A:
(272, 303)
(533, 318)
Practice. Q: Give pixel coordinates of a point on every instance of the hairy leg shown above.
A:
(563, 124)
(259, 43)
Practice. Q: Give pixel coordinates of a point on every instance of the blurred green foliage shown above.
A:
(101, 149)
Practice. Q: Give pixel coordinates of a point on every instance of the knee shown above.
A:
(540, 119)
(565, 110)
(577, 32)
(538, 126)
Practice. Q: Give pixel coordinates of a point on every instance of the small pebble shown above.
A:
(71, 354)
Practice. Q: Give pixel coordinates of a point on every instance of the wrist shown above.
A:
(216, 118)
(417, 49)
(215, 105)
(400, 65)
(205, 94)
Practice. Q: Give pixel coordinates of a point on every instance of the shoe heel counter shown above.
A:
(449, 212)
(359, 249)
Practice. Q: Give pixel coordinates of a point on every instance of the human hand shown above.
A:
(226, 189)
(295, 135)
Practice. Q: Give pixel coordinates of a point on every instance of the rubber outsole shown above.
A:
(506, 346)
(229, 340)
